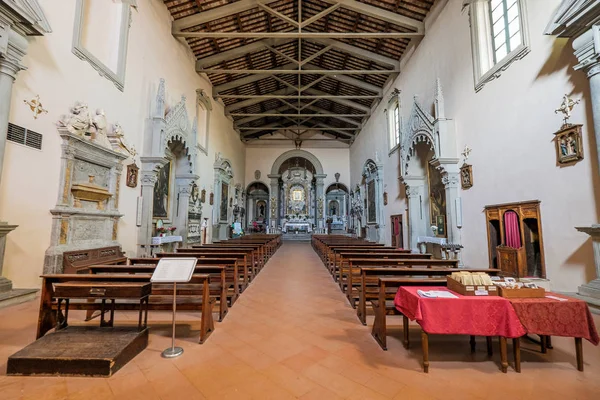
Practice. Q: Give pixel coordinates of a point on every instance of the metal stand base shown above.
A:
(172, 352)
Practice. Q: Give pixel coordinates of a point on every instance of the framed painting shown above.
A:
(371, 206)
(162, 193)
(569, 146)
(132, 175)
(437, 196)
(224, 200)
(466, 176)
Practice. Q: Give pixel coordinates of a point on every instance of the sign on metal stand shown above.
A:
(174, 270)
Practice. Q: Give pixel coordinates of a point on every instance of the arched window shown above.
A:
(393, 121)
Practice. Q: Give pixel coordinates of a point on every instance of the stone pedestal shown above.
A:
(5, 283)
(592, 288)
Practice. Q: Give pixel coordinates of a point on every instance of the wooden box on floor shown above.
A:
(471, 290)
(79, 351)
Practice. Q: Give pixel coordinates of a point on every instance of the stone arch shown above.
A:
(297, 153)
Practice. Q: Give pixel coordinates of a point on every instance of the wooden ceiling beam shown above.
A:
(381, 14)
(213, 14)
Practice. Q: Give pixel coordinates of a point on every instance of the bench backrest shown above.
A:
(76, 261)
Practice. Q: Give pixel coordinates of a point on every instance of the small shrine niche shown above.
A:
(86, 215)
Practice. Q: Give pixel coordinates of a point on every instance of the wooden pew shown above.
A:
(160, 299)
(232, 273)
(241, 257)
(256, 257)
(381, 285)
(219, 286)
(342, 266)
(351, 280)
(76, 262)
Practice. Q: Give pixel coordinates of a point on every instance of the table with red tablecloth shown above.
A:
(550, 317)
(465, 315)
(497, 316)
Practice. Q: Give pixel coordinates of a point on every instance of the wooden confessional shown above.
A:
(525, 259)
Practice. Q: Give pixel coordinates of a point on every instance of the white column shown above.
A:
(587, 51)
(147, 180)
(415, 191)
(10, 65)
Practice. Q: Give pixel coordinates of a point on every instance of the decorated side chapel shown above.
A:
(87, 215)
(430, 171)
(168, 174)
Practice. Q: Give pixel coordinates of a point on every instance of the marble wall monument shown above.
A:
(86, 214)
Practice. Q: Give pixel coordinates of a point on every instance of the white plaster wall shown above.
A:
(509, 125)
(30, 178)
(332, 160)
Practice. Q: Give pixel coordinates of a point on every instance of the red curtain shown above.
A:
(511, 229)
(396, 226)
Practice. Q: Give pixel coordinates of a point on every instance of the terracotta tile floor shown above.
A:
(293, 335)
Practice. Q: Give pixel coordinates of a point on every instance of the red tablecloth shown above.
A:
(544, 316)
(466, 315)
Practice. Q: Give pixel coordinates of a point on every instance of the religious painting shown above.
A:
(385, 198)
(211, 199)
(569, 146)
(437, 197)
(224, 199)
(132, 175)
(441, 225)
(261, 209)
(203, 196)
(371, 206)
(466, 176)
(162, 193)
(334, 207)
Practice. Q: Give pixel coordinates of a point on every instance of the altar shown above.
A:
(297, 227)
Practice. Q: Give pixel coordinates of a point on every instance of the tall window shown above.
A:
(393, 116)
(498, 37)
(506, 29)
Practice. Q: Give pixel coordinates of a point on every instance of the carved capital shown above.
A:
(412, 192)
(148, 178)
(185, 190)
(13, 48)
(68, 151)
(450, 180)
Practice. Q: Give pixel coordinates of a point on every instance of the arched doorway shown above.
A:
(337, 200)
(297, 191)
(257, 206)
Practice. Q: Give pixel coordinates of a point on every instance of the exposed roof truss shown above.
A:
(299, 68)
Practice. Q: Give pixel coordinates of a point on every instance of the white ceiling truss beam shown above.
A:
(279, 53)
(298, 35)
(325, 114)
(317, 54)
(294, 96)
(320, 15)
(277, 14)
(381, 14)
(300, 72)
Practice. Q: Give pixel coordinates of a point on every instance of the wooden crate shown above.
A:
(471, 290)
(523, 293)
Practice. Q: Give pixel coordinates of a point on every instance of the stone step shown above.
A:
(17, 296)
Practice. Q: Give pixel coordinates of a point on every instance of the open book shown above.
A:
(432, 294)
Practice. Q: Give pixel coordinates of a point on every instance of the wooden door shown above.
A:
(397, 229)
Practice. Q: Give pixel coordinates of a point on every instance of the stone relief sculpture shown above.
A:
(81, 122)
(118, 141)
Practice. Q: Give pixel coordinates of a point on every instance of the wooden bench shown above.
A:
(76, 262)
(232, 274)
(241, 258)
(255, 254)
(220, 288)
(388, 280)
(352, 278)
(161, 298)
(344, 265)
